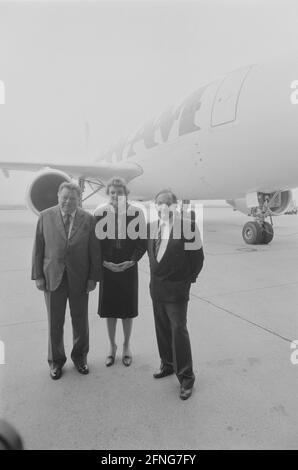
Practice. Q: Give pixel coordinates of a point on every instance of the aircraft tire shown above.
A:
(268, 233)
(252, 233)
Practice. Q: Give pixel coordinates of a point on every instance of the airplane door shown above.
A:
(224, 109)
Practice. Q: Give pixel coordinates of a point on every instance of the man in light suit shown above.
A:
(66, 265)
(175, 263)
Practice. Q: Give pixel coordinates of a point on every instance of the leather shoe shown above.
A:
(82, 368)
(185, 393)
(56, 373)
(163, 373)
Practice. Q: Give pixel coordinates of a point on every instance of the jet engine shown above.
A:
(42, 192)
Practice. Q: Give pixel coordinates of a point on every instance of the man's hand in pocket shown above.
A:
(90, 285)
(41, 284)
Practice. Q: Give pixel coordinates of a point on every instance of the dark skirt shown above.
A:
(118, 294)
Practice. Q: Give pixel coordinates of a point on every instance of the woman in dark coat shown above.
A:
(118, 295)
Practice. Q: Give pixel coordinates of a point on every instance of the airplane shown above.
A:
(235, 138)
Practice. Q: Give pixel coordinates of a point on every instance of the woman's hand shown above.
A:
(125, 265)
(116, 268)
(112, 266)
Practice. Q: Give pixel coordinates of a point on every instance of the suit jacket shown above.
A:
(172, 276)
(80, 255)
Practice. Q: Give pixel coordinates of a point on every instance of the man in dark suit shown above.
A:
(66, 265)
(175, 262)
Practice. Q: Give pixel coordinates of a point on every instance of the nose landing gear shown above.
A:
(95, 185)
(259, 232)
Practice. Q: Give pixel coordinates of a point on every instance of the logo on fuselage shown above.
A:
(183, 117)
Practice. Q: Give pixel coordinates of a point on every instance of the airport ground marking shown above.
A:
(204, 299)
(268, 330)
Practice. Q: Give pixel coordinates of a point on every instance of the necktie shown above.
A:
(67, 220)
(157, 241)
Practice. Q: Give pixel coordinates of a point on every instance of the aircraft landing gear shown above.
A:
(95, 185)
(268, 233)
(259, 232)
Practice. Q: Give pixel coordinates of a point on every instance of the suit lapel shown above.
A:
(59, 221)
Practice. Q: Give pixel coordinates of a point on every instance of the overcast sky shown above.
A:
(107, 67)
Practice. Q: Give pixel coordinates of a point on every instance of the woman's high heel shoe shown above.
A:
(111, 359)
(127, 360)
(126, 357)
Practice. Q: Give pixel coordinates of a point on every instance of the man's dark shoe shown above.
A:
(82, 368)
(56, 373)
(185, 393)
(163, 373)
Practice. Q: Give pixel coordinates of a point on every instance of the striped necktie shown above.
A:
(67, 221)
(157, 241)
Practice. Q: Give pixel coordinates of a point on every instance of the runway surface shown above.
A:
(242, 318)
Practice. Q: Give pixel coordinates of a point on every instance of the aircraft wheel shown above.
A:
(268, 233)
(252, 233)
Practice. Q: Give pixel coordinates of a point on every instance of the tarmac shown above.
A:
(242, 318)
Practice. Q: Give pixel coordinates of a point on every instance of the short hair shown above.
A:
(167, 191)
(117, 182)
(71, 187)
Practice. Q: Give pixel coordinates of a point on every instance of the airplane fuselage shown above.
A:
(234, 136)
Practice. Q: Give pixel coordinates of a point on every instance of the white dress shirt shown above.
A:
(165, 227)
(72, 216)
